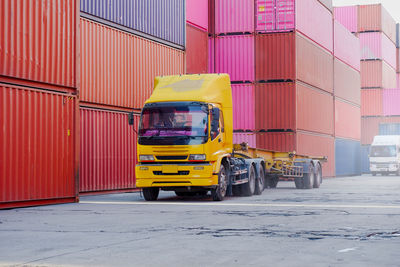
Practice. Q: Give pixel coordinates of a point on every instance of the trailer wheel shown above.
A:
(308, 178)
(260, 182)
(219, 193)
(299, 182)
(273, 182)
(151, 193)
(249, 187)
(318, 176)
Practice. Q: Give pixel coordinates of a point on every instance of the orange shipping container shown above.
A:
(347, 120)
(371, 102)
(347, 82)
(118, 68)
(370, 127)
(377, 74)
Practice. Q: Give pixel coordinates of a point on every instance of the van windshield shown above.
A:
(383, 151)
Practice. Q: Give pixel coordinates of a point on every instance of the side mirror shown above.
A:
(130, 118)
(215, 114)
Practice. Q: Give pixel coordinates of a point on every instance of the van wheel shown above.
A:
(249, 187)
(150, 193)
(260, 182)
(219, 192)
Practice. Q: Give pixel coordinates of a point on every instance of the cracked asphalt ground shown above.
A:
(351, 221)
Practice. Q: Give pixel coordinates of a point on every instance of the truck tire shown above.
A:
(309, 178)
(249, 187)
(317, 176)
(299, 182)
(237, 190)
(273, 182)
(150, 193)
(219, 192)
(260, 182)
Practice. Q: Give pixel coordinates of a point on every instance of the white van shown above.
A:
(384, 155)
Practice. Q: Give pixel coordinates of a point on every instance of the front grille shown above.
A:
(179, 173)
(172, 157)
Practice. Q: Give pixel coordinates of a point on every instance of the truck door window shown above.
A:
(215, 126)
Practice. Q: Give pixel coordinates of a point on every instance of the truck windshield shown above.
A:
(383, 151)
(174, 125)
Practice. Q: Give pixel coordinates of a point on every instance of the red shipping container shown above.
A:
(376, 18)
(377, 74)
(370, 127)
(211, 55)
(371, 102)
(243, 106)
(346, 46)
(118, 68)
(196, 50)
(291, 56)
(108, 150)
(293, 106)
(347, 120)
(347, 82)
(39, 42)
(38, 158)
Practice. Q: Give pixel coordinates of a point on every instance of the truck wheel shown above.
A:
(317, 176)
(308, 178)
(237, 190)
(151, 193)
(249, 187)
(299, 182)
(260, 182)
(273, 182)
(219, 193)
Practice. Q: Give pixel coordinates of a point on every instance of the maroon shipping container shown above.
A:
(304, 143)
(347, 83)
(293, 106)
(347, 120)
(370, 127)
(108, 150)
(377, 74)
(38, 151)
(371, 102)
(38, 43)
(196, 50)
(291, 56)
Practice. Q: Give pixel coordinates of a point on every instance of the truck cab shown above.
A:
(384, 155)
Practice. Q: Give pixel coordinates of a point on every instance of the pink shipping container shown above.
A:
(211, 55)
(38, 151)
(376, 45)
(377, 74)
(108, 151)
(290, 15)
(38, 43)
(391, 102)
(197, 13)
(235, 55)
(249, 138)
(398, 61)
(348, 17)
(398, 80)
(347, 82)
(347, 120)
(118, 68)
(243, 106)
(370, 127)
(234, 16)
(372, 102)
(346, 46)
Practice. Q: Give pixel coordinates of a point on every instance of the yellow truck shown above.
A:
(185, 145)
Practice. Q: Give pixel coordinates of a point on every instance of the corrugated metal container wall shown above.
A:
(365, 159)
(158, 18)
(38, 41)
(249, 138)
(376, 18)
(290, 106)
(398, 61)
(398, 80)
(197, 13)
(277, 141)
(118, 68)
(376, 45)
(211, 16)
(235, 55)
(371, 102)
(38, 163)
(328, 4)
(389, 129)
(234, 16)
(346, 46)
(108, 151)
(211, 55)
(347, 16)
(377, 74)
(347, 82)
(196, 50)
(347, 157)
(391, 102)
(370, 127)
(398, 35)
(243, 106)
(347, 120)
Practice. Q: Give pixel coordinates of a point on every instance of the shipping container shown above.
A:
(38, 159)
(211, 17)
(346, 46)
(347, 16)
(347, 157)
(398, 35)
(377, 74)
(389, 129)
(347, 120)
(291, 15)
(372, 102)
(376, 18)
(365, 159)
(162, 21)
(234, 16)
(347, 83)
(243, 106)
(197, 13)
(303, 143)
(397, 61)
(398, 80)
(391, 102)
(196, 50)
(234, 55)
(249, 138)
(370, 127)
(291, 56)
(328, 4)
(107, 150)
(211, 55)
(376, 45)
(38, 43)
(293, 106)
(118, 68)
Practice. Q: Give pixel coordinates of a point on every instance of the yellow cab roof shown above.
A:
(207, 88)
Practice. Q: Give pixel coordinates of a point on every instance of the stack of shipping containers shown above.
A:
(124, 45)
(39, 81)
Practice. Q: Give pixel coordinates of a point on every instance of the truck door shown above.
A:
(217, 132)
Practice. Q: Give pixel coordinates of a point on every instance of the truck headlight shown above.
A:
(146, 158)
(197, 157)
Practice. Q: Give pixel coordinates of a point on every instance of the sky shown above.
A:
(393, 6)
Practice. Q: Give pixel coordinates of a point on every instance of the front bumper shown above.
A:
(384, 167)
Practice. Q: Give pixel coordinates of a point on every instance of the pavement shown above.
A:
(349, 221)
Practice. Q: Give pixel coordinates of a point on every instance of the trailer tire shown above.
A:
(151, 193)
(219, 192)
(309, 178)
(260, 182)
(299, 182)
(273, 182)
(317, 176)
(249, 187)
